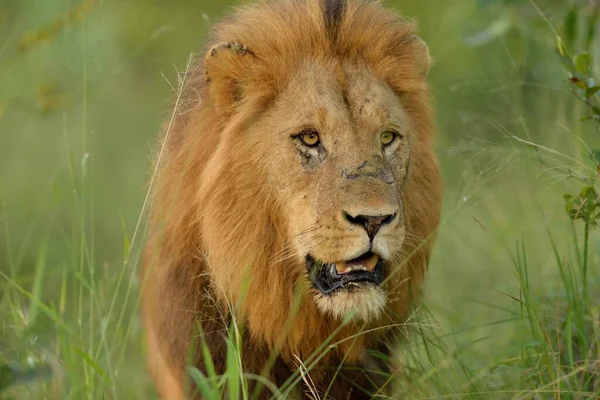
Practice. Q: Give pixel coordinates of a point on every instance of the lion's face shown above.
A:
(337, 164)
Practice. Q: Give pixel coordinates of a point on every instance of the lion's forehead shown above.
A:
(356, 101)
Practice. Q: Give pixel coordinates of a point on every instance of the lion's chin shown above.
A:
(365, 304)
(350, 287)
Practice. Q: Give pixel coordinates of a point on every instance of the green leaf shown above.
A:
(569, 341)
(209, 365)
(583, 63)
(207, 390)
(567, 62)
(83, 281)
(592, 91)
(595, 154)
(582, 206)
(560, 46)
(588, 192)
(570, 206)
(590, 117)
(40, 267)
(233, 371)
(89, 361)
(126, 243)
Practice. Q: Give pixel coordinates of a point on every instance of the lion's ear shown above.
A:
(226, 69)
(423, 55)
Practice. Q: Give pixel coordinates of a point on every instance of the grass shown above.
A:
(511, 306)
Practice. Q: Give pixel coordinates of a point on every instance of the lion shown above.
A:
(298, 194)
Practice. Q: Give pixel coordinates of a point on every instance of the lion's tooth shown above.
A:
(357, 267)
(371, 263)
(341, 268)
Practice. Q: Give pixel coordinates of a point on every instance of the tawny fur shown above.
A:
(236, 208)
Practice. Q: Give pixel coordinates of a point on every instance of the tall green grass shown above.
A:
(512, 297)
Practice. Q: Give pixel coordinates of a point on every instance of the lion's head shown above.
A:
(309, 160)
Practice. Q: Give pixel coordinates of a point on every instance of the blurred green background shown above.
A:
(84, 88)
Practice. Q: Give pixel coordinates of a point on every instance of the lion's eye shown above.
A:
(387, 137)
(309, 138)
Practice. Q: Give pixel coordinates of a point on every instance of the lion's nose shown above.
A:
(371, 223)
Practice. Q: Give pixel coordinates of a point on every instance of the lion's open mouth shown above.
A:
(345, 275)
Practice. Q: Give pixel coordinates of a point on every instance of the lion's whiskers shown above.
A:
(301, 235)
(290, 250)
(298, 253)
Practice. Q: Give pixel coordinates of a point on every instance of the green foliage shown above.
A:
(81, 94)
(584, 206)
(583, 83)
